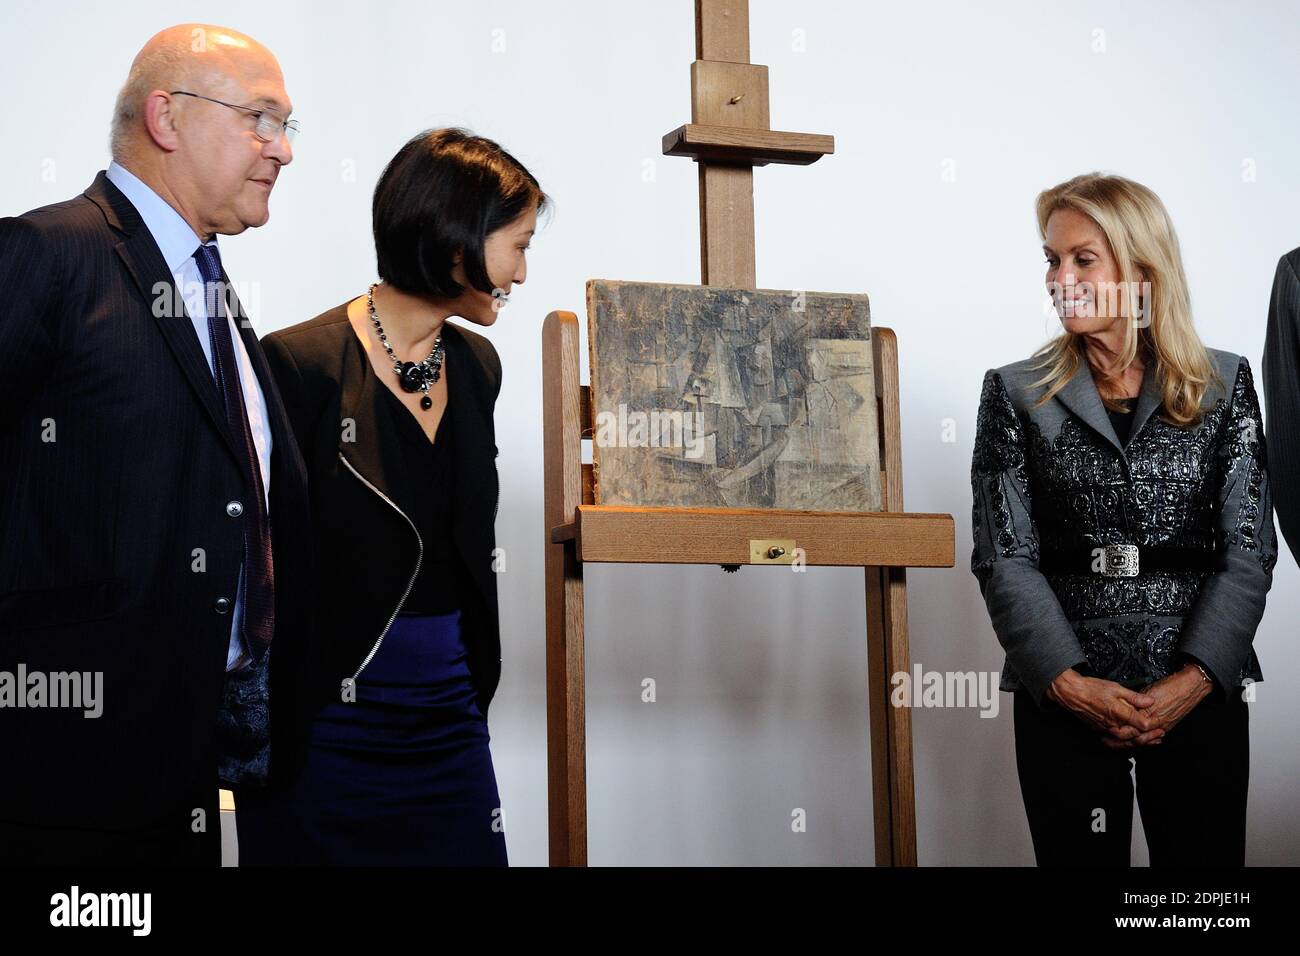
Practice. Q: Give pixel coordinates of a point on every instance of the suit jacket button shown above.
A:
(234, 509)
(222, 605)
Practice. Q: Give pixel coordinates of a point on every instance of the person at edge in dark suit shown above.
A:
(1282, 395)
(1124, 545)
(392, 405)
(144, 451)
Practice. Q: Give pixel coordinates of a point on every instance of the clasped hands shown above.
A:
(1129, 718)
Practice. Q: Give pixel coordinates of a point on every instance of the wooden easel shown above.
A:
(728, 136)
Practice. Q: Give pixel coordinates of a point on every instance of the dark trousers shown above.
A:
(1191, 789)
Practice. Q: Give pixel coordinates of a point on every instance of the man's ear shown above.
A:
(160, 120)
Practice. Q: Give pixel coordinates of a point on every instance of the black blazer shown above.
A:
(367, 550)
(1281, 373)
(116, 542)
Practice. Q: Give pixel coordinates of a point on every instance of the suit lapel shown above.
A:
(468, 385)
(145, 264)
(1149, 401)
(474, 463)
(277, 416)
(366, 439)
(1080, 396)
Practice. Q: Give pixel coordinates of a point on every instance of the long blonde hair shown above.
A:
(1143, 242)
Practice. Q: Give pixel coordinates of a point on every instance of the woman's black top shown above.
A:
(1122, 421)
(441, 580)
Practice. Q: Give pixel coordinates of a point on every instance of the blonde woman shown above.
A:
(1124, 545)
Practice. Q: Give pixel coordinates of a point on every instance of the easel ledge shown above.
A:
(656, 535)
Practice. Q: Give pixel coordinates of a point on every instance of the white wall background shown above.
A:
(761, 675)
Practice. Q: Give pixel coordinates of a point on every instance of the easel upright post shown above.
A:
(894, 795)
(566, 718)
(726, 189)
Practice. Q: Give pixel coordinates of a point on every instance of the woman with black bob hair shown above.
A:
(379, 739)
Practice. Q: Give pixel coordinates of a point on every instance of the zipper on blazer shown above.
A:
(414, 574)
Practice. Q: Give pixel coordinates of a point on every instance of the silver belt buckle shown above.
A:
(1119, 561)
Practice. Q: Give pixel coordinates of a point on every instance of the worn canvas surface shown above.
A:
(736, 398)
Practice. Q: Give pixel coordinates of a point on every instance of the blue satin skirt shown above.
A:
(402, 776)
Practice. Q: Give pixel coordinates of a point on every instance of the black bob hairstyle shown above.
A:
(444, 192)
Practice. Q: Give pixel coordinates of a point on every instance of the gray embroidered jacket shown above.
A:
(1057, 478)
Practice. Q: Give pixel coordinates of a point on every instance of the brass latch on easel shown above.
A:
(771, 550)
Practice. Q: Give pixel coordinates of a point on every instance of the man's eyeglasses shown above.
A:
(269, 124)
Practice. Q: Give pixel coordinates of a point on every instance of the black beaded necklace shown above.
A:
(413, 376)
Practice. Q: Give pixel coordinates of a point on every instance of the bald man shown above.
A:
(152, 499)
